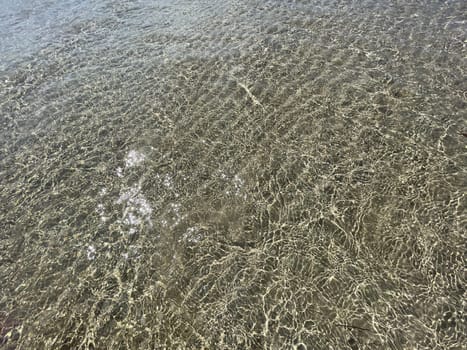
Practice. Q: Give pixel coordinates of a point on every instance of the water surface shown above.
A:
(232, 175)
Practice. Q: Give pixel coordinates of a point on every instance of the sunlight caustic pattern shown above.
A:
(248, 174)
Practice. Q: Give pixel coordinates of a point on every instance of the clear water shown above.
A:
(232, 174)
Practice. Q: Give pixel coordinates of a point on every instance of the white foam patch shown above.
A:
(238, 183)
(119, 172)
(134, 158)
(91, 252)
(137, 210)
(191, 235)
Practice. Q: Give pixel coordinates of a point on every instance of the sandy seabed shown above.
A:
(234, 175)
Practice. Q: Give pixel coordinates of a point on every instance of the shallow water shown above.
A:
(232, 175)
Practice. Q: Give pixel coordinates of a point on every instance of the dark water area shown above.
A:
(233, 174)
